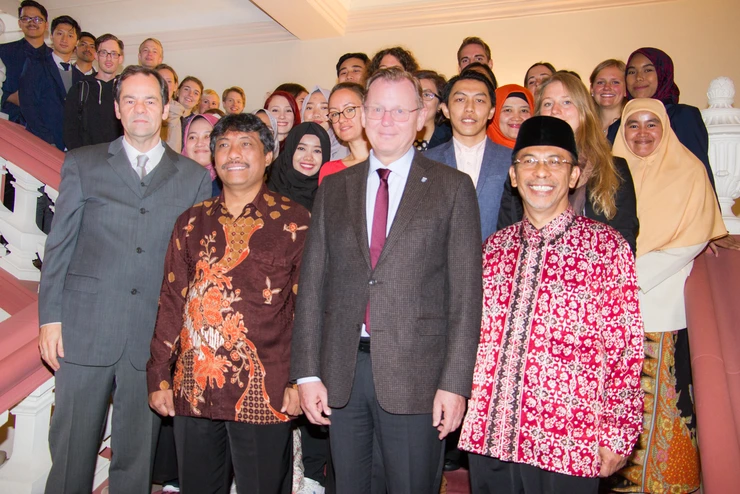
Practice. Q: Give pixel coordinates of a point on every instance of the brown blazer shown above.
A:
(425, 291)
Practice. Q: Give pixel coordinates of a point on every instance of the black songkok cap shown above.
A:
(546, 131)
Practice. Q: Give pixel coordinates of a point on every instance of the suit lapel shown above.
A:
(118, 160)
(356, 186)
(51, 66)
(415, 190)
(486, 166)
(163, 171)
(450, 154)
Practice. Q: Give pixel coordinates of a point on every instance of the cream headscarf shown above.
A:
(676, 205)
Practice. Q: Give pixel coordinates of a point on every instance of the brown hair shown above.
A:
(592, 145)
(404, 56)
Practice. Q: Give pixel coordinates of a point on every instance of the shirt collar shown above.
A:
(154, 154)
(471, 149)
(401, 166)
(551, 231)
(58, 60)
(262, 201)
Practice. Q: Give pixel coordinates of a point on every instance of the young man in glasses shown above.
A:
(557, 401)
(469, 101)
(89, 114)
(388, 311)
(32, 18)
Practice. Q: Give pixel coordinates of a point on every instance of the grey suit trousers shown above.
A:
(82, 395)
(411, 455)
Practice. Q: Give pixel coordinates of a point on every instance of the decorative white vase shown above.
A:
(723, 124)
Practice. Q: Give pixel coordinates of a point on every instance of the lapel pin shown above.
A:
(423, 179)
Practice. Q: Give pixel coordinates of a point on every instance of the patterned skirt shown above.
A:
(666, 458)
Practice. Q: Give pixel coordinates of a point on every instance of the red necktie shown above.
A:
(380, 223)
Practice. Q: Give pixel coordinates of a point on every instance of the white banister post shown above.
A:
(723, 126)
(28, 467)
(19, 226)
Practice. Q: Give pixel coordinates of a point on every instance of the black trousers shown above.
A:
(207, 450)
(370, 446)
(490, 475)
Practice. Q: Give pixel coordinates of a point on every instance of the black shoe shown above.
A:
(451, 465)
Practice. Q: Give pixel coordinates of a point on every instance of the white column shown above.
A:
(19, 226)
(26, 470)
(723, 125)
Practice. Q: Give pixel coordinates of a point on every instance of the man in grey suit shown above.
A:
(388, 312)
(469, 101)
(100, 283)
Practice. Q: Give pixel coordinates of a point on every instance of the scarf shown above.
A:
(286, 180)
(676, 205)
(494, 129)
(211, 119)
(667, 91)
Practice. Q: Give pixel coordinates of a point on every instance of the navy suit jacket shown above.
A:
(14, 56)
(42, 95)
(494, 171)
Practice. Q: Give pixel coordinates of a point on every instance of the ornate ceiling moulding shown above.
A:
(242, 34)
(417, 14)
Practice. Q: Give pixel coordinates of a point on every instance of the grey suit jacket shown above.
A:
(104, 257)
(425, 291)
(493, 173)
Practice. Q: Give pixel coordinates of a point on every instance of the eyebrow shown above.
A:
(634, 120)
(481, 93)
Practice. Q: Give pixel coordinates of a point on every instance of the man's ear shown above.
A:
(575, 174)
(445, 110)
(512, 175)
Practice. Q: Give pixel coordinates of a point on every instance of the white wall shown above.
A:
(702, 37)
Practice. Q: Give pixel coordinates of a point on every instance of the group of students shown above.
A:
(643, 158)
(645, 172)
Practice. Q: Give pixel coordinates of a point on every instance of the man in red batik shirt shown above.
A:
(556, 400)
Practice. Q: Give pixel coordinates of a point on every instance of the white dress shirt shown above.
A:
(58, 60)
(396, 184)
(155, 155)
(469, 159)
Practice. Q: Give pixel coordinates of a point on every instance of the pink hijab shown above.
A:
(211, 119)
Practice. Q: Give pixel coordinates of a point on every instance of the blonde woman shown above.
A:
(605, 192)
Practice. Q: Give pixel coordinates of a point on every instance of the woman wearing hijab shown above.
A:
(272, 124)
(284, 108)
(345, 116)
(295, 174)
(514, 105)
(678, 216)
(197, 145)
(315, 109)
(650, 75)
(605, 191)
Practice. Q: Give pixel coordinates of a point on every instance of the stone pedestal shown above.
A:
(723, 124)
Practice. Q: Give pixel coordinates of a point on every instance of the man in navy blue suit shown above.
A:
(469, 102)
(32, 18)
(45, 81)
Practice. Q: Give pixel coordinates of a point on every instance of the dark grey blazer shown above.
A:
(494, 170)
(104, 257)
(425, 291)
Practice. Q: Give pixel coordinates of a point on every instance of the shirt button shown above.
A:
(134, 291)
(142, 184)
(371, 282)
(139, 250)
(142, 211)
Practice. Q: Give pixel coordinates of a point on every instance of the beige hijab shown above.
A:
(676, 205)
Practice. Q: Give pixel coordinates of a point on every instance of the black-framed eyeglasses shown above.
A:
(36, 20)
(554, 162)
(108, 54)
(349, 113)
(429, 96)
(397, 114)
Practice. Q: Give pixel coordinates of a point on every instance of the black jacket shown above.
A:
(89, 114)
(625, 221)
